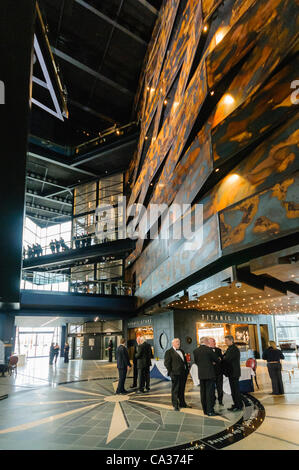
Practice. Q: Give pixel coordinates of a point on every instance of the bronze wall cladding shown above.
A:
(233, 64)
(189, 258)
(264, 216)
(270, 162)
(257, 115)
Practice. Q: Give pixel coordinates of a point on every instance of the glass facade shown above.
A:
(96, 218)
(34, 234)
(36, 342)
(287, 329)
(88, 220)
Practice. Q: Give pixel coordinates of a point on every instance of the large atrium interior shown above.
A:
(149, 205)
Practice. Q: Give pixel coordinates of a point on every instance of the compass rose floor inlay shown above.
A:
(87, 414)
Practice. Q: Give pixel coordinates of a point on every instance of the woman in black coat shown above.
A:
(273, 355)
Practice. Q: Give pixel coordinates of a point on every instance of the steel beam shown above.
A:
(63, 165)
(149, 7)
(92, 111)
(44, 181)
(85, 68)
(109, 149)
(113, 22)
(47, 198)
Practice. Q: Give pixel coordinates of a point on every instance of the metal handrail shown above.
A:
(104, 286)
(74, 244)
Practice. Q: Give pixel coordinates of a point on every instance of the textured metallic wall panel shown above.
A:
(184, 263)
(257, 115)
(264, 216)
(271, 161)
(248, 131)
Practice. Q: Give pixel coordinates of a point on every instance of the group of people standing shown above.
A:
(141, 366)
(55, 245)
(32, 251)
(37, 250)
(212, 365)
(54, 353)
(81, 241)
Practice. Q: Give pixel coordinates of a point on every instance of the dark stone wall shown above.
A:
(92, 352)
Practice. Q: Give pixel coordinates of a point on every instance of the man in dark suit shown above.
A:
(110, 350)
(218, 370)
(135, 370)
(123, 364)
(177, 368)
(144, 355)
(205, 359)
(232, 369)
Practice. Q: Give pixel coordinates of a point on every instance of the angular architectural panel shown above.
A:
(228, 141)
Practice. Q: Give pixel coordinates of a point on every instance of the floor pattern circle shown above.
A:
(88, 415)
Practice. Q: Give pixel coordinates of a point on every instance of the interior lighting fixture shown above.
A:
(219, 36)
(228, 99)
(233, 178)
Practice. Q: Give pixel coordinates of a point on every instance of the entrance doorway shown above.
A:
(36, 342)
(107, 339)
(264, 336)
(78, 349)
(116, 342)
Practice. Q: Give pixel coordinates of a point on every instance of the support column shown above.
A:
(7, 333)
(259, 338)
(16, 45)
(63, 339)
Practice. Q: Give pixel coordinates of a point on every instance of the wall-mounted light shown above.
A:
(219, 36)
(228, 99)
(233, 178)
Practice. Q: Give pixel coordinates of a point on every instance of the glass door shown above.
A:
(78, 347)
(106, 344)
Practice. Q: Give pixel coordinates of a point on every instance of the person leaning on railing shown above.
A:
(273, 355)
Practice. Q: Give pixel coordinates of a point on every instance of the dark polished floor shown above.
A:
(73, 406)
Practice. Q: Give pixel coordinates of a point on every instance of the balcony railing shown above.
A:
(59, 282)
(77, 242)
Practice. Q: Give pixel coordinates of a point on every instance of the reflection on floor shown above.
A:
(73, 406)
(280, 429)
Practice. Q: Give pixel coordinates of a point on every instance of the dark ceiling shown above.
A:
(99, 48)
